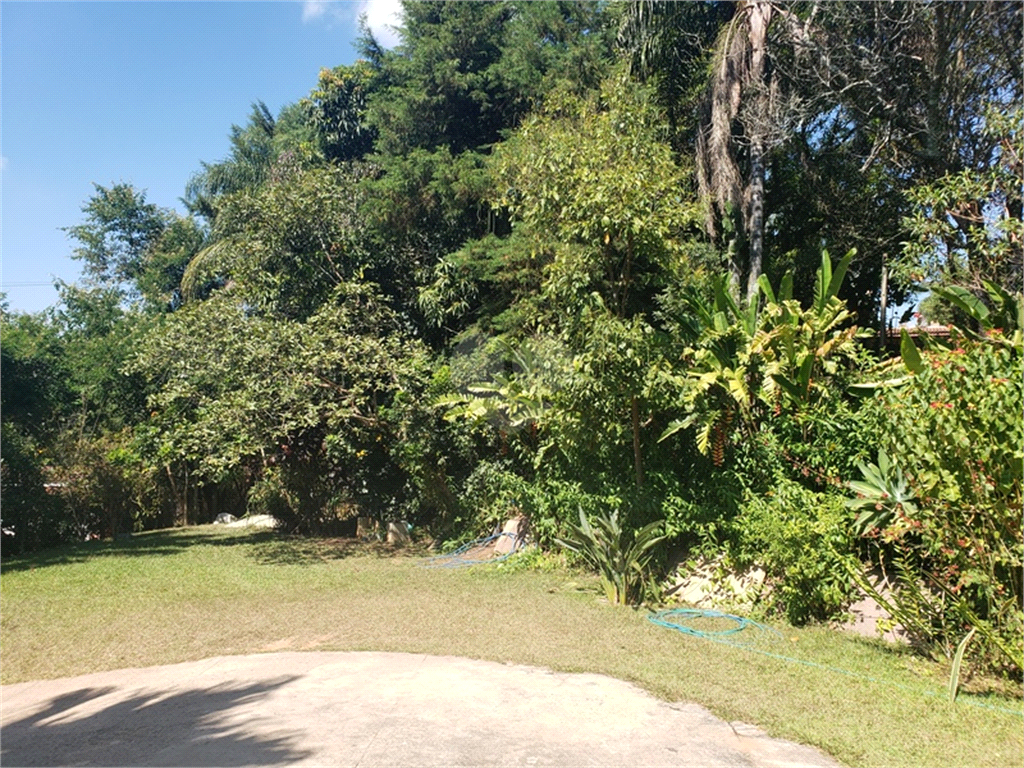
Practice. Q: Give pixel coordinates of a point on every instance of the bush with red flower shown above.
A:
(955, 431)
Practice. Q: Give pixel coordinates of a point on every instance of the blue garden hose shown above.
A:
(689, 614)
(728, 637)
(456, 560)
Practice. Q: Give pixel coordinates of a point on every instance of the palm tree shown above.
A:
(682, 42)
(245, 168)
(740, 91)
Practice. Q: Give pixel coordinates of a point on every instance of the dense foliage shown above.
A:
(571, 260)
(954, 430)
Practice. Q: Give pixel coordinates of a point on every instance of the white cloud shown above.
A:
(313, 9)
(381, 17)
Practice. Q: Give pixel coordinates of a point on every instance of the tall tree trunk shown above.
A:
(759, 16)
(882, 329)
(184, 495)
(756, 216)
(738, 74)
(718, 173)
(180, 503)
(204, 504)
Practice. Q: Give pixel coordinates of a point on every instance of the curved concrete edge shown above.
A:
(368, 709)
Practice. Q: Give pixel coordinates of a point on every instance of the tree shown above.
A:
(119, 230)
(741, 91)
(66, 408)
(296, 403)
(33, 400)
(166, 262)
(670, 46)
(336, 111)
(915, 77)
(743, 115)
(863, 101)
(896, 97)
(288, 243)
(966, 229)
(35, 393)
(464, 74)
(98, 334)
(600, 194)
(439, 87)
(592, 178)
(133, 249)
(254, 149)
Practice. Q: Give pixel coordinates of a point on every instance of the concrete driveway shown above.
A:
(367, 709)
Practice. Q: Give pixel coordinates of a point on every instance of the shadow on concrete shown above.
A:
(190, 728)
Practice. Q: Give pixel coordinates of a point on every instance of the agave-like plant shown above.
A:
(880, 495)
(621, 559)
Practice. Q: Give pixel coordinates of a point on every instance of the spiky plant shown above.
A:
(619, 557)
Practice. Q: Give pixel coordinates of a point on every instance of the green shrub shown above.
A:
(31, 518)
(533, 558)
(801, 538)
(955, 430)
(494, 492)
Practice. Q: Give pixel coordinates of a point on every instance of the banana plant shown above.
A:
(827, 282)
(799, 343)
(515, 402)
(716, 391)
(620, 558)
(742, 355)
(507, 397)
(723, 379)
(713, 323)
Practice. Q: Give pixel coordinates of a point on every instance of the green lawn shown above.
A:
(171, 596)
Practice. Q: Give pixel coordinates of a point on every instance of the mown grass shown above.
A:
(174, 596)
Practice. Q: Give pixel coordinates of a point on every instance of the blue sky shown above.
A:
(139, 92)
